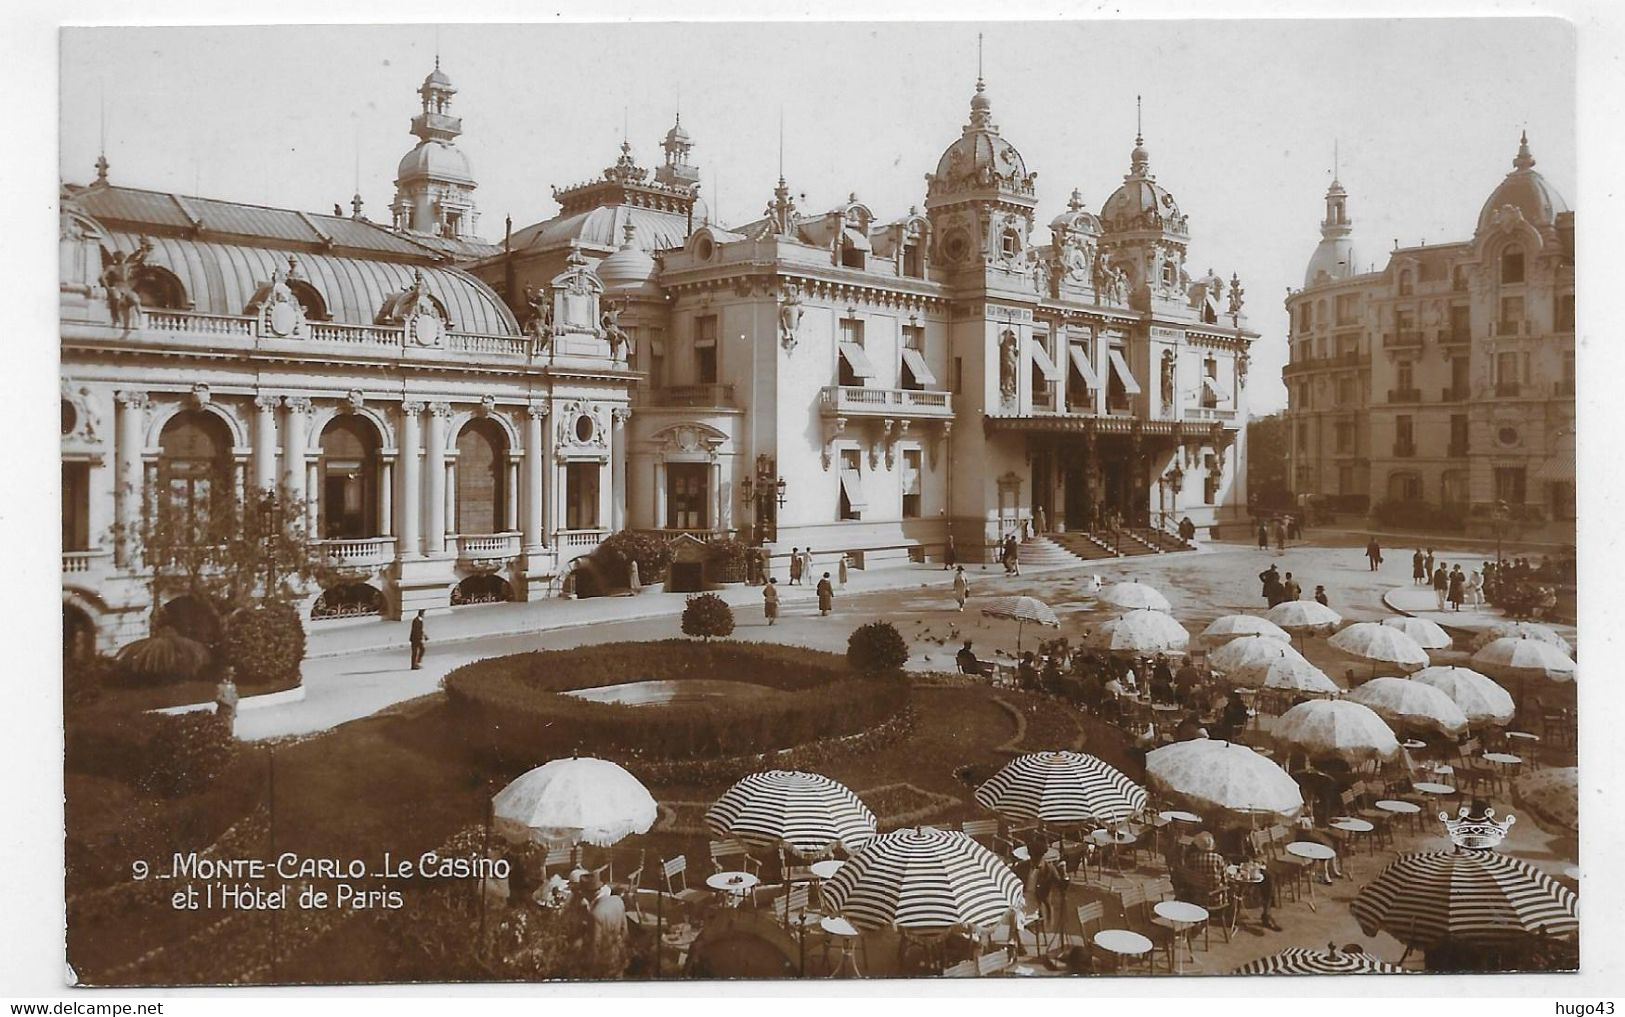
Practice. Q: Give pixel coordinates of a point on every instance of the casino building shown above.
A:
(467, 418)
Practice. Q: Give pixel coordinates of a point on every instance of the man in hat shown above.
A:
(606, 929)
(417, 639)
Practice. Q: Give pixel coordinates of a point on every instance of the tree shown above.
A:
(707, 615)
(876, 648)
(1266, 462)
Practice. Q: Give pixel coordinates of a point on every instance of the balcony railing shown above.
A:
(82, 561)
(1403, 337)
(580, 538)
(851, 400)
(1404, 395)
(692, 395)
(1454, 394)
(1209, 413)
(1404, 449)
(358, 552)
(376, 337)
(487, 547)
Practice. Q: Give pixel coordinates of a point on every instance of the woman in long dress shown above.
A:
(1475, 589)
(632, 580)
(961, 587)
(826, 596)
(841, 570)
(770, 600)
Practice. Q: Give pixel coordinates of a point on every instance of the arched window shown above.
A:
(194, 460)
(315, 307)
(481, 477)
(159, 289)
(348, 501)
(1512, 266)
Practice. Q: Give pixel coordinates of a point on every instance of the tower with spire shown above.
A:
(676, 171)
(1335, 256)
(1146, 234)
(434, 185)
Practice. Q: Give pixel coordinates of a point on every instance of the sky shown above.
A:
(1240, 117)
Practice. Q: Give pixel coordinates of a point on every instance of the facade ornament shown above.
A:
(790, 311)
(610, 322)
(411, 408)
(353, 401)
(440, 409)
(200, 396)
(1009, 362)
(80, 421)
(538, 410)
(837, 427)
(540, 323)
(1242, 361)
(118, 279)
(487, 406)
(1235, 296)
(1169, 360)
(620, 415)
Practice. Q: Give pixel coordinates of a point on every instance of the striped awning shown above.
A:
(1062, 787)
(1080, 361)
(1212, 385)
(924, 879)
(1042, 361)
(857, 360)
(1124, 375)
(1298, 961)
(1467, 897)
(852, 487)
(914, 360)
(806, 811)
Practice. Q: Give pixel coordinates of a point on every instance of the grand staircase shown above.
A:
(1066, 548)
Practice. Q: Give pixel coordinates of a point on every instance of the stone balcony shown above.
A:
(487, 551)
(93, 560)
(358, 553)
(857, 401)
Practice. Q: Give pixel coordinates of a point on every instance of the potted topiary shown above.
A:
(876, 648)
(707, 615)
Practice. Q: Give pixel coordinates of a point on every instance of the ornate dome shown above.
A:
(435, 159)
(1141, 203)
(1334, 257)
(1076, 218)
(1525, 190)
(437, 77)
(630, 271)
(981, 156)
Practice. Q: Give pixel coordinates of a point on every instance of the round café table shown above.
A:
(1353, 826)
(1433, 790)
(1413, 745)
(1021, 854)
(1399, 808)
(1310, 851)
(1111, 841)
(1122, 943)
(843, 930)
(1180, 916)
(1178, 816)
(1245, 882)
(734, 884)
(827, 868)
(1529, 739)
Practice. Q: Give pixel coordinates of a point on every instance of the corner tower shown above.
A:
(434, 186)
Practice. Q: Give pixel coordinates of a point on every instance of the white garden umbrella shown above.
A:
(1210, 774)
(1532, 630)
(1428, 635)
(1139, 632)
(1381, 644)
(572, 801)
(1021, 610)
(1249, 649)
(924, 879)
(806, 811)
(1304, 616)
(1234, 626)
(1134, 596)
(1349, 731)
(1404, 703)
(1524, 657)
(1483, 701)
(1288, 674)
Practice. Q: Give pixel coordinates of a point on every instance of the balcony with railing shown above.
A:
(483, 548)
(1210, 413)
(358, 552)
(1403, 337)
(577, 540)
(91, 560)
(1404, 395)
(710, 395)
(856, 401)
(1404, 449)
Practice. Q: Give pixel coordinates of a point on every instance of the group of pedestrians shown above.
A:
(1280, 529)
(1279, 588)
(1451, 585)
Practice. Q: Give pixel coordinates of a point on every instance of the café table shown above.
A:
(1021, 854)
(1245, 881)
(1398, 808)
(1123, 943)
(1433, 790)
(843, 930)
(735, 885)
(1179, 816)
(1413, 745)
(827, 868)
(1180, 916)
(1353, 826)
(1310, 851)
(1111, 842)
(1531, 740)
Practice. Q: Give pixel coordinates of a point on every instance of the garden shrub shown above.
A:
(164, 754)
(728, 560)
(615, 555)
(85, 678)
(875, 648)
(265, 645)
(514, 702)
(707, 615)
(164, 657)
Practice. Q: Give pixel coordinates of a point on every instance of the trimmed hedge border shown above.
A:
(513, 705)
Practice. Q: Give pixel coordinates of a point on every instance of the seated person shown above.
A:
(1239, 846)
(968, 664)
(1027, 671)
(1186, 681)
(1202, 871)
(1190, 728)
(1234, 719)
(1115, 690)
(1162, 681)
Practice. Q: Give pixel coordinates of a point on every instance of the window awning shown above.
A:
(915, 362)
(852, 238)
(1042, 361)
(911, 477)
(1124, 375)
(1080, 360)
(1212, 385)
(857, 360)
(657, 347)
(852, 487)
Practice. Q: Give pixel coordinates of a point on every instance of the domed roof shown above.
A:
(437, 77)
(676, 136)
(630, 271)
(980, 155)
(1335, 257)
(1141, 203)
(435, 159)
(1525, 190)
(1076, 218)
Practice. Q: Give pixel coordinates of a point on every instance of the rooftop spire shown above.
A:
(1139, 134)
(1524, 159)
(1139, 158)
(1334, 163)
(101, 154)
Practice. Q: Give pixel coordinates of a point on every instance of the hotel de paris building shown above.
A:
(467, 418)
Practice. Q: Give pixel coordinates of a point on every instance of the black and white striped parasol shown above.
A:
(1477, 897)
(924, 879)
(1062, 787)
(806, 811)
(1298, 961)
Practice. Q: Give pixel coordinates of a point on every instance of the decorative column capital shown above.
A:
(536, 411)
(621, 414)
(441, 410)
(412, 408)
(298, 404)
(134, 400)
(265, 402)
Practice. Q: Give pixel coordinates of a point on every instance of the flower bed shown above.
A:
(513, 707)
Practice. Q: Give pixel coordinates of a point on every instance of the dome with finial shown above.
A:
(1525, 190)
(437, 79)
(1141, 203)
(1076, 219)
(630, 271)
(981, 157)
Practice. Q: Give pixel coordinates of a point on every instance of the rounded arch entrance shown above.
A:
(194, 459)
(348, 498)
(482, 478)
(78, 633)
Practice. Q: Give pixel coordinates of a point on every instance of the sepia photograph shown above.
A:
(564, 502)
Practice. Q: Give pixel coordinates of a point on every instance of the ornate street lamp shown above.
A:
(760, 491)
(1173, 480)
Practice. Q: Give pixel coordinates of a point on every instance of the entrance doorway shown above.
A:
(1080, 498)
(1043, 506)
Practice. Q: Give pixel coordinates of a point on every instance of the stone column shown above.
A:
(434, 476)
(535, 454)
(265, 441)
(293, 459)
(313, 504)
(411, 500)
(510, 499)
(386, 498)
(618, 466)
(451, 498)
(128, 481)
(715, 508)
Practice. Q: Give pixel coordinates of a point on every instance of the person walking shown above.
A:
(1271, 580)
(770, 600)
(795, 566)
(1187, 530)
(225, 697)
(826, 596)
(1014, 547)
(961, 587)
(1280, 537)
(1458, 588)
(1441, 584)
(1475, 589)
(633, 581)
(1263, 538)
(1290, 590)
(417, 639)
(1427, 563)
(1040, 521)
(1373, 554)
(950, 555)
(840, 570)
(806, 564)
(1419, 570)
(1320, 596)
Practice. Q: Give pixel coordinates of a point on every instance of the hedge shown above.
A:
(512, 706)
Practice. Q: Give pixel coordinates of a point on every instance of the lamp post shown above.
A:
(760, 492)
(1174, 481)
(1502, 512)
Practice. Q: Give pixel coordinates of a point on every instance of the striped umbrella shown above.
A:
(1551, 797)
(1062, 787)
(1223, 775)
(806, 811)
(1331, 961)
(1529, 630)
(1139, 632)
(924, 879)
(1524, 657)
(1428, 635)
(1289, 674)
(1231, 626)
(1404, 703)
(1348, 731)
(1248, 649)
(572, 801)
(1304, 616)
(1021, 610)
(1382, 644)
(1134, 596)
(1470, 897)
(1483, 701)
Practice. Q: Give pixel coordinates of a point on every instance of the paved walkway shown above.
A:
(1422, 602)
